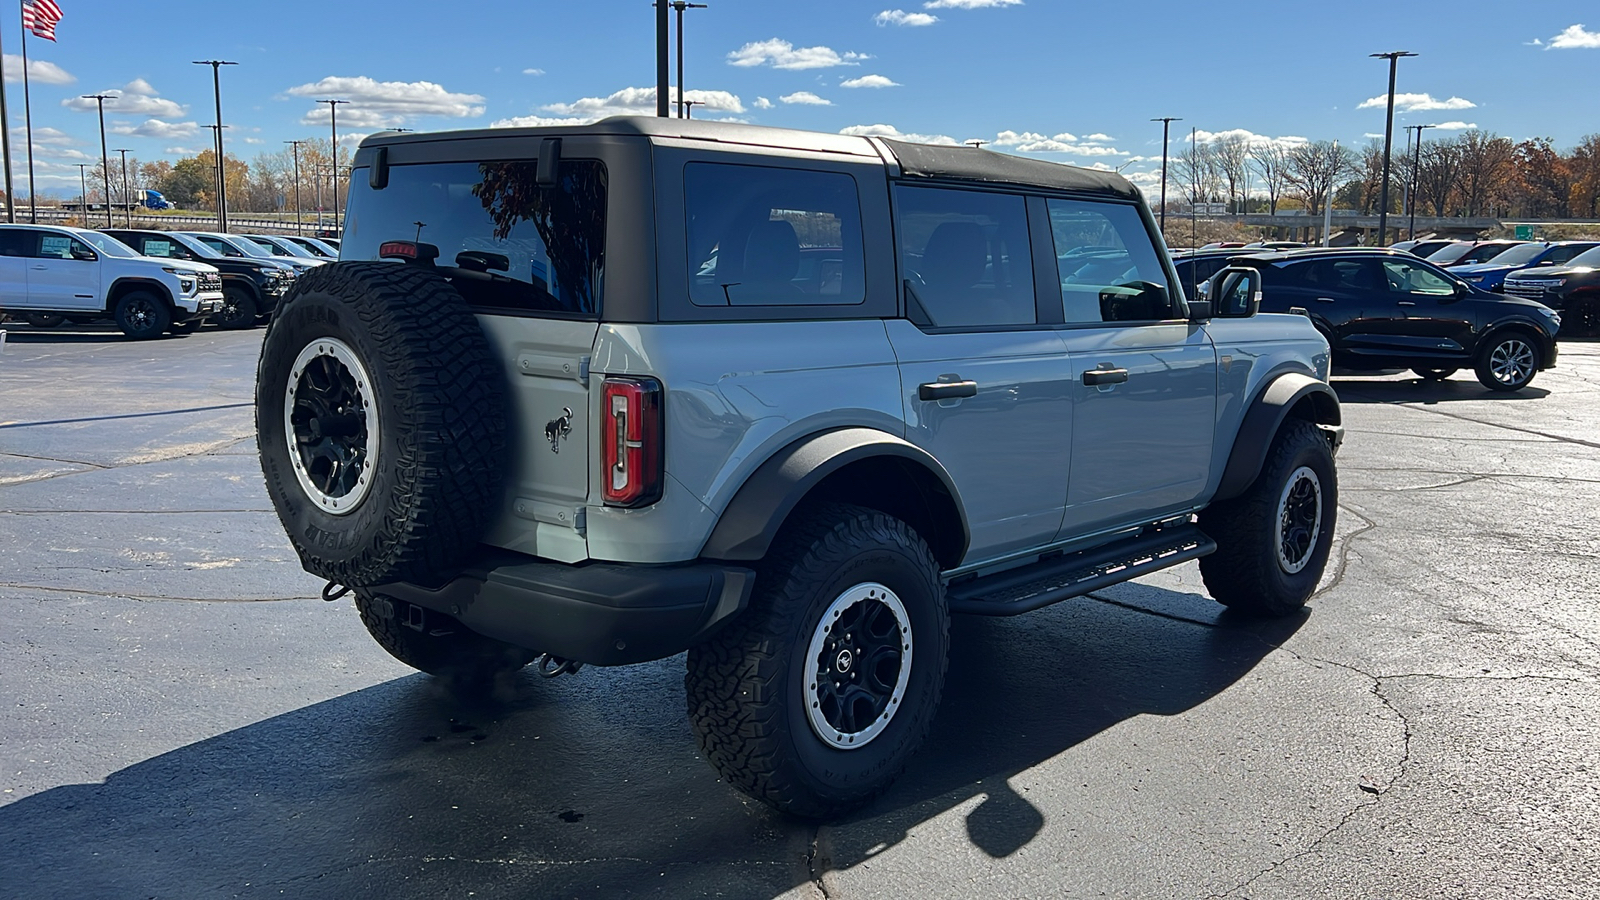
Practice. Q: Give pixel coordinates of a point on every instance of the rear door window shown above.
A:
(1108, 265)
(965, 257)
(505, 242)
(769, 236)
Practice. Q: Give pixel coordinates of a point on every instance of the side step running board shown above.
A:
(1045, 582)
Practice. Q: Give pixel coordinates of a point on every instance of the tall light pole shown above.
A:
(296, 146)
(222, 177)
(216, 132)
(105, 160)
(680, 6)
(662, 75)
(333, 118)
(1166, 124)
(127, 196)
(83, 191)
(1416, 163)
(1393, 57)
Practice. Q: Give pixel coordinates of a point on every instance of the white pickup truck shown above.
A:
(51, 274)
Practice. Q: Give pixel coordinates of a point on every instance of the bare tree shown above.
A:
(1272, 163)
(1315, 170)
(1232, 155)
(1584, 195)
(1437, 174)
(1486, 169)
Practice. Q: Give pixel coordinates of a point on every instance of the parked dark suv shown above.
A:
(1572, 288)
(251, 288)
(1387, 309)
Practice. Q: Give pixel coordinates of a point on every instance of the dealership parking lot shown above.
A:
(183, 718)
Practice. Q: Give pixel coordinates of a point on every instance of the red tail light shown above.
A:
(630, 438)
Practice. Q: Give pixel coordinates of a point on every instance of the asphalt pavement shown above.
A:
(181, 716)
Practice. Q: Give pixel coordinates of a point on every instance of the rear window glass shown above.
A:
(504, 241)
(765, 236)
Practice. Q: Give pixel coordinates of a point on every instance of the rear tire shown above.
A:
(1434, 374)
(1508, 362)
(1273, 540)
(142, 315)
(442, 646)
(813, 700)
(44, 320)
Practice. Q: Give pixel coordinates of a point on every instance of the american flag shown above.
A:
(40, 17)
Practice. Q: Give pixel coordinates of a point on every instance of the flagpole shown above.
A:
(27, 119)
(5, 148)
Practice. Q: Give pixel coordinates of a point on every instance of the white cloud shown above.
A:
(1370, 136)
(256, 140)
(903, 18)
(781, 54)
(1576, 36)
(1416, 103)
(189, 151)
(763, 103)
(804, 98)
(638, 101)
(1456, 126)
(39, 71)
(533, 71)
(869, 81)
(156, 128)
(136, 98)
(385, 104)
(1250, 138)
(889, 131)
(1098, 138)
(969, 4)
(1065, 142)
(535, 122)
(45, 137)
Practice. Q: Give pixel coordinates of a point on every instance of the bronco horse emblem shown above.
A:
(558, 428)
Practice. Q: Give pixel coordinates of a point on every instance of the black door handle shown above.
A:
(1105, 376)
(947, 390)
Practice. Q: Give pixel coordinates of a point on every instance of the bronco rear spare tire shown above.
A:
(381, 422)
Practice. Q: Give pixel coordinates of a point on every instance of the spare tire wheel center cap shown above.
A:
(330, 423)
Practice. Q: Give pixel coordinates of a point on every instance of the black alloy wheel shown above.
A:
(142, 315)
(238, 309)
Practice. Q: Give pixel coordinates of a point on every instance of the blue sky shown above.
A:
(1071, 82)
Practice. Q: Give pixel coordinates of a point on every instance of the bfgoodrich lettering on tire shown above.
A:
(1273, 540)
(381, 420)
(814, 698)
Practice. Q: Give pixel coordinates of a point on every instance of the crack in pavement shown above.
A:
(811, 863)
(215, 450)
(124, 595)
(124, 512)
(1517, 428)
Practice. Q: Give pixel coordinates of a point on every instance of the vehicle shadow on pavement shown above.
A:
(592, 786)
(1419, 390)
(91, 335)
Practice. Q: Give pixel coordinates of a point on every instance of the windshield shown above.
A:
(248, 248)
(280, 246)
(196, 247)
(1521, 254)
(107, 244)
(315, 248)
(1449, 253)
(1590, 257)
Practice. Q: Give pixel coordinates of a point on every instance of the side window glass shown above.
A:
(965, 257)
(55, 246)
(1412, 279)
(14, 243)
(765, 236)
(1340, 276)
(1561, 254)
(157, 247)
(1110, 270)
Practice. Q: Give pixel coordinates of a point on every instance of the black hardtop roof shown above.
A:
(916, 160)
(1272, 256)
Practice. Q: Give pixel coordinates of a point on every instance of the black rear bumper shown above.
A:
(603, 614)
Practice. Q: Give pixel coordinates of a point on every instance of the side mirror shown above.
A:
(1199, 310)
(1237, 292)
(84, 254)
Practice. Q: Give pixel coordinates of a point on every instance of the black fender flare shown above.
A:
(1265, 415)
(758, 510)
(135, 282)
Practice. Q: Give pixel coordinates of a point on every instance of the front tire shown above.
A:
(1273, 540)
(1509, 362)
(437, 644)
(238, 310)
(142, 315)
(813, 700)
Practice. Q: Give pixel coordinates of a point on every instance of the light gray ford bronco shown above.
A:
(787, 401)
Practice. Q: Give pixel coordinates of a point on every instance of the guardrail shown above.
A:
(170, 222)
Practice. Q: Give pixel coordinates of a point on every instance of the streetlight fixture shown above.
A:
(1394, 57)
(1166, 124)
(680, 6)
(1416, 163)
(127, 196)
(333, 119)
(688, 107)
(222, 178)
(296, 147)
(105, 161)
(976, 143)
